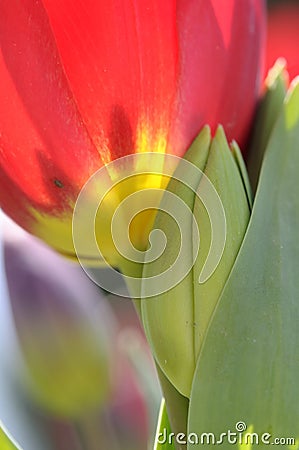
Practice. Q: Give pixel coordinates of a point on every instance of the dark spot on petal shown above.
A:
(58, 183)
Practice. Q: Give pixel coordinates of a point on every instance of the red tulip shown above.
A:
(86, 82)
(283, 38)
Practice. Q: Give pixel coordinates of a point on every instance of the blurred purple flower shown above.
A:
(63, 326)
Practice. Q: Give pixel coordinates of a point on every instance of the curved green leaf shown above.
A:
(176, 305)
(248, 369)
(236, 152)
(267, 114)
(176, 321)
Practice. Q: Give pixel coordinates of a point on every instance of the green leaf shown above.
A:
(177, 405)
(267, 114)
(176, 321)
(6, 442)
(248, 368)
(163, 431)
(168, 318)
(226, 178)
(243, 171)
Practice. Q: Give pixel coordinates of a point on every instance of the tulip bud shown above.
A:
(214, 187)
(62, 328)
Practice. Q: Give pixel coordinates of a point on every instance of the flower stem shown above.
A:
(177, 407)
(176, 404)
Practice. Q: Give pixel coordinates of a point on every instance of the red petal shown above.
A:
(120, 58)
(89, 81)
(45, 151)
(223, 44)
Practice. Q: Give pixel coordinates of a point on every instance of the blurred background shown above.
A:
(75, 370)
(283, 36)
